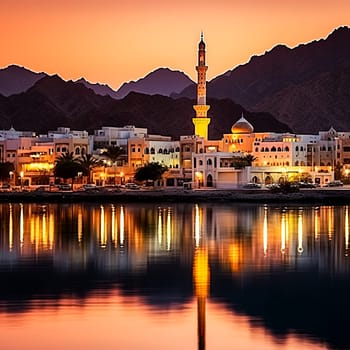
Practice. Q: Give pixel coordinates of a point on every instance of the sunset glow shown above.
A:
(115, 41)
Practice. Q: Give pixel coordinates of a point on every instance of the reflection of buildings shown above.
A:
(116, 237)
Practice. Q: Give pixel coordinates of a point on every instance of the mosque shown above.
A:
(245, 156)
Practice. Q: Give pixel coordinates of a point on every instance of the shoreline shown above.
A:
(311, 196)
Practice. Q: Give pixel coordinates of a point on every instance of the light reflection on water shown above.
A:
(173, 276)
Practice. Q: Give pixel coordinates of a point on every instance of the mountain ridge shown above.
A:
(53, 102)
(277, 72)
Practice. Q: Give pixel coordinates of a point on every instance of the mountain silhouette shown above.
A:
(15, 79)
(307, 87)
(162, 81)
(53, 102)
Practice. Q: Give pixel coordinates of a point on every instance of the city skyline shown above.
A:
(115, 42)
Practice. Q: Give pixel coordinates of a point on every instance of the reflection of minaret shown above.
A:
(201, 281)
(201, 121)
(201, 278)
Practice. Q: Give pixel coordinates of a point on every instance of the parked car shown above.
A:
(64, 187)
(5, 188)
(132, 186)
(252, 185)
(335, 183)
(306, 185)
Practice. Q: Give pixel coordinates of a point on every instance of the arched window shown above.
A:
(177, 149)
(160, 150)
(200, 162)
(165, 151)
(209, 162)
(201, 150)
(187, 149)
(267, 149)
(301, 148)
(279, 149)
(152, 150)
(297, 163)
(209, 181)
(256, 149)
(297, 148)
(146, 150)
(262, 149)
(273, 149)
(77, 151)
(286, 149)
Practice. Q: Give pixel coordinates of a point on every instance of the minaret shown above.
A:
(201, 121)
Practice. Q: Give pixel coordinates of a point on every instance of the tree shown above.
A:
(5, 169)
(249, 159)
(88, 162)
(114, 153)
(242, 162)
(151, 171)
(67, 167)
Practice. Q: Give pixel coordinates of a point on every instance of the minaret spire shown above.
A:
(201, 121)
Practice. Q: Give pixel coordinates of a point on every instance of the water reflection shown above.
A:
(284, 268)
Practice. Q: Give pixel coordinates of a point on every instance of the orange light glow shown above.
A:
(117, 41)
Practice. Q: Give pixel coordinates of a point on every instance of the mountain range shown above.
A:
(52, 102)
(307, 89)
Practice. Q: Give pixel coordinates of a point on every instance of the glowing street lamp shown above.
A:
(21, 174)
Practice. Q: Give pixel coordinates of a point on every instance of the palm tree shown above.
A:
(114, 153)
(67, 166)
(249, 159)
(88, 162)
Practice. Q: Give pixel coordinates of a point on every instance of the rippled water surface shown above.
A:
(174, 276)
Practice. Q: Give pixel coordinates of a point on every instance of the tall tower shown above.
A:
(201, 121)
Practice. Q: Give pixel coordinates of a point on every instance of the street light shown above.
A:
(21, 174)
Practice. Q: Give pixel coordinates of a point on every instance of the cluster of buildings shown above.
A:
(239, 157)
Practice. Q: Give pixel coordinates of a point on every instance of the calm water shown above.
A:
(177, 276)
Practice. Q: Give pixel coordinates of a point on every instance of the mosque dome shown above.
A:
(242, 126)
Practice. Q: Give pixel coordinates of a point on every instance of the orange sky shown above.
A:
(112, 41)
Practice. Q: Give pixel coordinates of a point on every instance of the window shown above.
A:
(133, 149)
(209, 162)
(256, 149)
(77, 151)
(200, 162)
(187, 149)
(273, 149)
(160, 150)
(139, 149)
(64, 149)
(297, 149)
(58, 149)
(279, 149)
(146, 150)
(177, 149)
(286, 149)
(152, 151)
